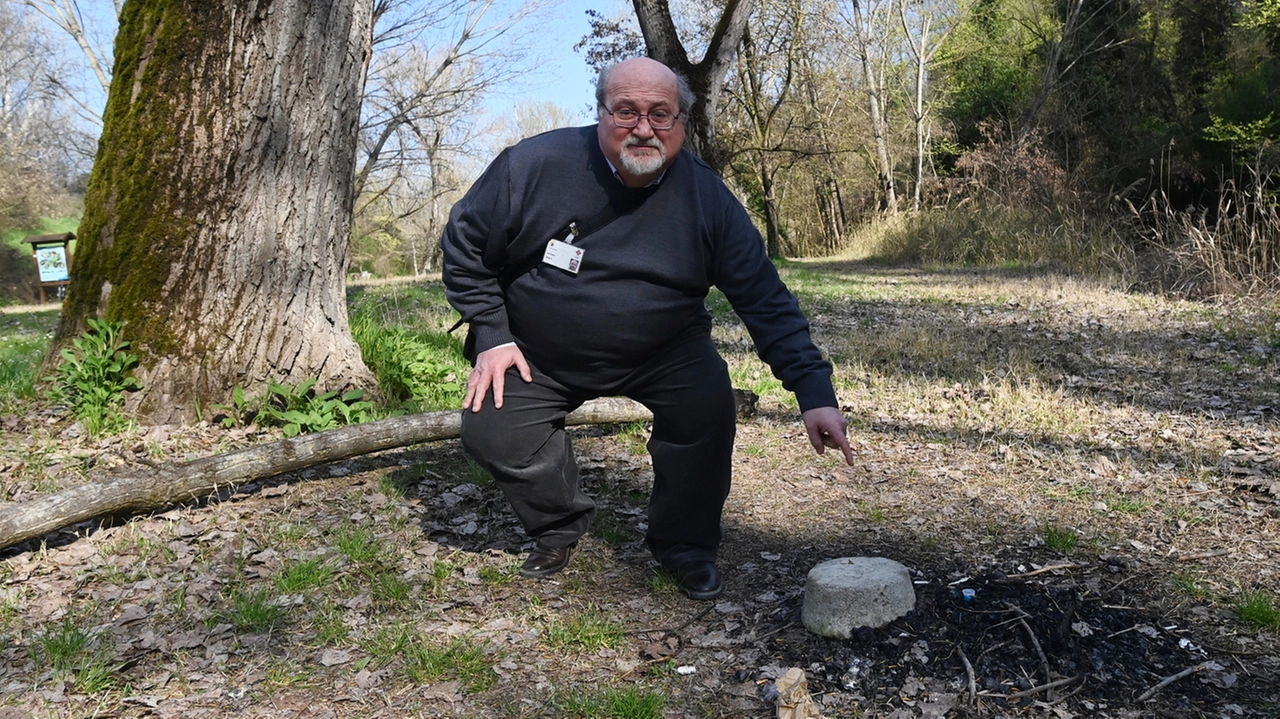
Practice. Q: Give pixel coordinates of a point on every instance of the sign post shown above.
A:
(53, 260)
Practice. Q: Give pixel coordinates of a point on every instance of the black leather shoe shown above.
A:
(544, 561)
(699, 579)
(692, 566)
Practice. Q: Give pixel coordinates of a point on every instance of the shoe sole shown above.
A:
(702, 596)
(543, 572)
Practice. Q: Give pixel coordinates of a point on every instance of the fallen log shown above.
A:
(170, 484)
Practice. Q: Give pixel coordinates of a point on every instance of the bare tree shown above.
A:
(38, 138)
(768, 61)
(925, 26)
(870, 24)
(1064, 47)
(433, 67)
(94, 40)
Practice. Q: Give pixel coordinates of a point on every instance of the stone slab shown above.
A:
(844, 594)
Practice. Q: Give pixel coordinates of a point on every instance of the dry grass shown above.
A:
(1002, 421)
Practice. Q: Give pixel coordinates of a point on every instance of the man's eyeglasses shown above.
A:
(627, 118)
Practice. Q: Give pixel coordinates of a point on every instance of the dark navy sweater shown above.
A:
(643, 278)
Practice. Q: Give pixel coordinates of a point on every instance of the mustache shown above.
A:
(632, 141)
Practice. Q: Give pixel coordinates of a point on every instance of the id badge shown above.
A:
(563, 255)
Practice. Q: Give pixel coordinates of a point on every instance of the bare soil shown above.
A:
(1100, 468)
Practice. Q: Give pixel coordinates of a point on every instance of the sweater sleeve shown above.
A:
(772, 314)
(474, 244)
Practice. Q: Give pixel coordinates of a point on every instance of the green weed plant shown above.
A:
(297, 410)
(93, 377)
(422, 369)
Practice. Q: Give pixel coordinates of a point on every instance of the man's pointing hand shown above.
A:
(826, 428)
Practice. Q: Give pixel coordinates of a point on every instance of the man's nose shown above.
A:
(643, 129)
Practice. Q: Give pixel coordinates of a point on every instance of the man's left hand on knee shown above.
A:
(826, 427)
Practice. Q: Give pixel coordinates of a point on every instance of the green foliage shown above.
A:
(611, 703)
(93, 377)
(420, 368)
(297, 410)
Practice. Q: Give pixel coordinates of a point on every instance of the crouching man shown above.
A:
(581, 259)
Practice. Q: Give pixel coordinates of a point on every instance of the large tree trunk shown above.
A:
(706, 78)
(218, 215)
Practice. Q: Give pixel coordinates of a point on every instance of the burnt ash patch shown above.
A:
(1097, 655)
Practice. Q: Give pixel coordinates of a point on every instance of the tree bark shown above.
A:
(178, 483)
(706, 78)
(218, 215)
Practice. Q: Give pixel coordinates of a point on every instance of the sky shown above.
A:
(562, 75)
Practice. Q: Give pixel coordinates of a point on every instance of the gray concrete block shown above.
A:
(844, 594)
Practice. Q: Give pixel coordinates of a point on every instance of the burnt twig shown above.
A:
(968, 671)
(1044, 660)
(1042, 570)
(676, 630)
(1043, 688)
(1171, 679)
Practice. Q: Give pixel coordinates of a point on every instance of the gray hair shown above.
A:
(687, 98)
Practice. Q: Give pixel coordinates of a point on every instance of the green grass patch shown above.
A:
(1060, 539)
(24, 339)
(460, 660)
(500, 574)
(1259, 608)
(358, 544)
(388, 590)
(251, 611)
(424, 660)
(1192, 584)
(635, 437)
(610, 703)
(590, 629)
(70, 652)
(331, 625)
(307, 574)
(61, 646)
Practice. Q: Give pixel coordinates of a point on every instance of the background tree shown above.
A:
(767, 138)
(706, 77)
(871, 27)
(925, 27)
(217, 217)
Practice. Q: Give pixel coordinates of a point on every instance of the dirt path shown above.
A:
(1099, 467)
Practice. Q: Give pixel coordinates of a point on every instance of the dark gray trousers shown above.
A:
(525, 447)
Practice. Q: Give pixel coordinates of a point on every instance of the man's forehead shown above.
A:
(643, 79)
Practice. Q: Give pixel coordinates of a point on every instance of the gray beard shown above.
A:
(642, 165)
